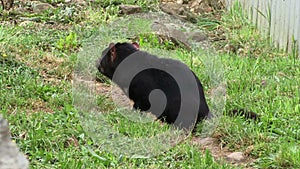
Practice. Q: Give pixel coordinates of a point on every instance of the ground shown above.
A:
(42, 42)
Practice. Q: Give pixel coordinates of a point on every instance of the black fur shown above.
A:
(150, 79)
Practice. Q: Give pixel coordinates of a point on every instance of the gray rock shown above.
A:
(130, 9)
(38, 7)
(168, 33)
(206, 141)
(10, 157)
(236, 157)
(198, 36)
(176, 30)
(180, 11)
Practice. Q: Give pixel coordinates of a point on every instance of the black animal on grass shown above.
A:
(150, 79)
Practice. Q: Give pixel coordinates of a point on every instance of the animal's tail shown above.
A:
(244, 113)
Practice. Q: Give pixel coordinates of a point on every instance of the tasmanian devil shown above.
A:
(150, 79)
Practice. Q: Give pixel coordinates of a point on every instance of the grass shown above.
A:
(36, 66)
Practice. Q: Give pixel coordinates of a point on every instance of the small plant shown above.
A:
(159, 41)
(65, 14)
(101, 15)
(208, 23)
(68, 43)
(295, 49)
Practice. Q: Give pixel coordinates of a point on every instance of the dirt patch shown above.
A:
(112, 92)
(53, 69)
(102, 88)
(223, 154)
(50, 62)
(38, 105)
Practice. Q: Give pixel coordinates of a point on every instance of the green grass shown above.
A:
(36, 66)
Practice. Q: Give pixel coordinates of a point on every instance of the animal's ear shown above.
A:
(136, 45)
(113, 52)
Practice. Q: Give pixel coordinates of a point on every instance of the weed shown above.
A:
(68, 43)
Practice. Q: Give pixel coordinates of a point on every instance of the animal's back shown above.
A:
(150, 79)
(147, 81)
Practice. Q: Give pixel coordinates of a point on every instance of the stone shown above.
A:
(198, 36)
(179, 1)
(236, 157)
(159, 27)
(168, 33)
(179, 11)
(40, 7)
(10, 157)
(203, 142)
(174, 29)
(26, 23)
(130, 9)
(206, 141)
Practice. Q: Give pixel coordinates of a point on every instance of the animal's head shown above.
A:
(113, 55)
